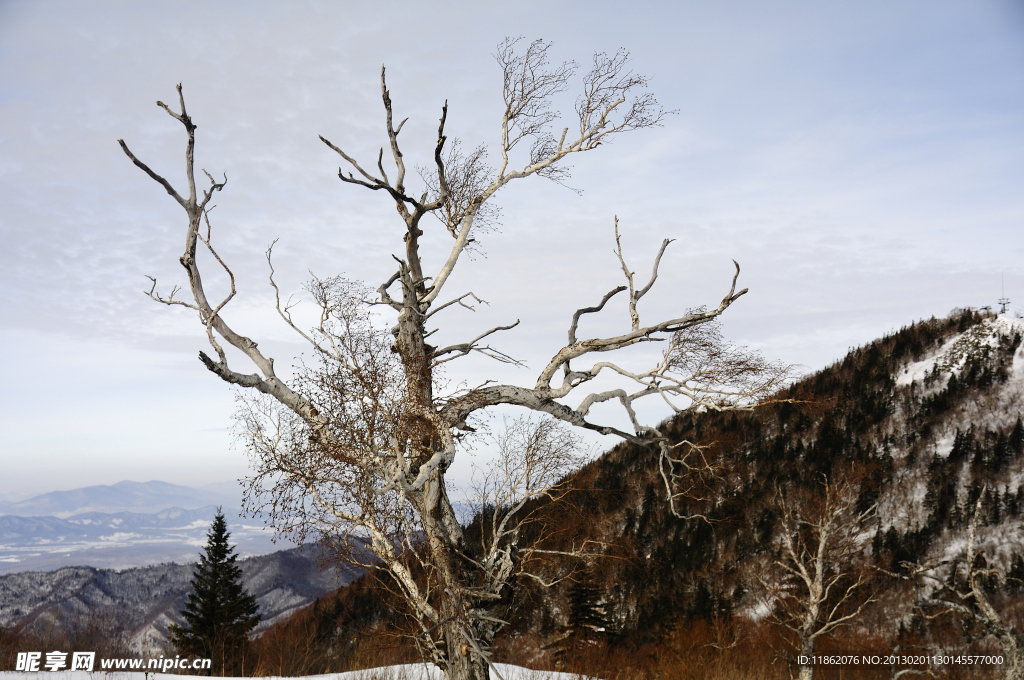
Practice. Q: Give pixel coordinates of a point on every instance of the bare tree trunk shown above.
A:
(464, 662)
(353, 449)
(1013, 668)
(428, 437)
(804, 665)
(818, 583)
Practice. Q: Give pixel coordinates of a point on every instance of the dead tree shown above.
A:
(959, 589)
(818, 581)
(358, 443)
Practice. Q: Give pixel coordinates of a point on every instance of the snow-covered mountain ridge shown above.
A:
(982, 425)
(974, 344)
(145, 600)
(125, 496)
(927, 420)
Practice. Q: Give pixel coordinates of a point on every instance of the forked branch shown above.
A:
(210, 315)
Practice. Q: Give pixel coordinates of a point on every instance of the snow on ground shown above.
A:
(403, 672)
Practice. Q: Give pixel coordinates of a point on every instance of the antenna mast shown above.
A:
(1003, 301)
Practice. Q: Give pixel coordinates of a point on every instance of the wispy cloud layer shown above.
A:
(862, 161)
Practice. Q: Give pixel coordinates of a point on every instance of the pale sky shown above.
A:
(863, 161)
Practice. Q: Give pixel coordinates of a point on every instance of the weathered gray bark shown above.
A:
(353, 467)
(805, 670)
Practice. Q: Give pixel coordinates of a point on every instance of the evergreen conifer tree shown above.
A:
(587, 623)
(586, 615)
(1016, 442)
(219, 613)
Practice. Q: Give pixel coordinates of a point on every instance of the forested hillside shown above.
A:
(904, 441)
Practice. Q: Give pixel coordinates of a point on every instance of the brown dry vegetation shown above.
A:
(698, 650)
(669, 597)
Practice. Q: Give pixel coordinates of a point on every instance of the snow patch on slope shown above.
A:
(973, 342)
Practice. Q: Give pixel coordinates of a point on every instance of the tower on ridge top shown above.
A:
(1003, 301)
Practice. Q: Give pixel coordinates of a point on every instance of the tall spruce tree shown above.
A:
(219, 613)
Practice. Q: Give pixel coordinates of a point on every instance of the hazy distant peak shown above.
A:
(124, 496)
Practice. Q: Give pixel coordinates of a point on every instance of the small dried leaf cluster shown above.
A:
(467, 175)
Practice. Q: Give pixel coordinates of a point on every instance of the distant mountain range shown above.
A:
(138, 497)
(146, 599)
(128, 524)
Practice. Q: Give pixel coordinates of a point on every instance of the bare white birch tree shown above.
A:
(358, 443)
(510, 529)
(819, 581)
(958, 589)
